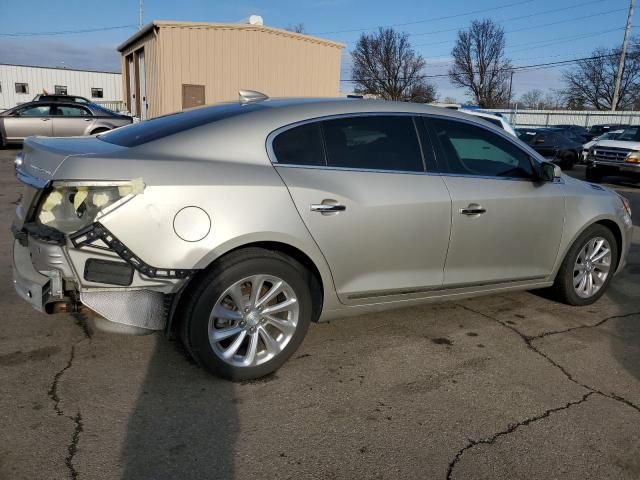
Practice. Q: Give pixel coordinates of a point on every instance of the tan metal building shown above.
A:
(168, 66)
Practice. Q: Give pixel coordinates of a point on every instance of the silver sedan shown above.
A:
(237, 225)
(57, 119)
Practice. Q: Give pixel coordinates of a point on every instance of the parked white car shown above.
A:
(497, 120)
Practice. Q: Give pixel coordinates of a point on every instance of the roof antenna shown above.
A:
(250, 96)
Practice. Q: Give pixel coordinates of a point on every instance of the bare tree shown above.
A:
(532, 98)
(591, 82)
(480, 64)
(385, 65)
(297, 28)
(449, 100)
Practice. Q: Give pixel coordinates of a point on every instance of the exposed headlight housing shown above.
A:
(633, 157)
(70, 206)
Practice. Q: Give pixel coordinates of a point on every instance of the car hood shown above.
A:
(42, 156)
(619, 144)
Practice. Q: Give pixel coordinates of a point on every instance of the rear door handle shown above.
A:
(327, 208)
(473, 209)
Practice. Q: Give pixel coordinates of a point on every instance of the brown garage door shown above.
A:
(192, 96)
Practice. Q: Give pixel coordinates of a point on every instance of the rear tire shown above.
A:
(568, 279)
(246, 339)
(593, 174)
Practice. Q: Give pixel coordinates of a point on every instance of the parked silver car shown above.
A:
(239, 224)
(56, 119)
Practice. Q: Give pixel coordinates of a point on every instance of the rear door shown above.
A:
(34, 119)
(70, 120)
(506, 225)
(360, 186)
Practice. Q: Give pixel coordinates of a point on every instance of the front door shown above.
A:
(358, 183)
(71, 120)
(34, 119)
(506, 226)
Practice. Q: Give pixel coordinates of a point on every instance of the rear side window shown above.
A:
(471, 150)
(373, 142)
(300, 146)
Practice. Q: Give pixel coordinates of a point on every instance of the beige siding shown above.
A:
(226, 59)
(152, 67)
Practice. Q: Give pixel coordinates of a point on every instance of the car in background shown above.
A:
(597, 130)
(494, 118)
(610, 135)
(45, 97)
(575, 132)
(233, 225)
(615, 157)
(56, 119)
(553, 145)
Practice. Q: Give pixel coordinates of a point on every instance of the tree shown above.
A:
(449, 100)
(532, 98)
(479, 63)
(297, 28)
(385, 65)
(592, 81)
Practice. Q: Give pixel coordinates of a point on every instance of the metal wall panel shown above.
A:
(78, 82)
(549, 118)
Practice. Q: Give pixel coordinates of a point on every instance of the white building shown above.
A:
(20, 83)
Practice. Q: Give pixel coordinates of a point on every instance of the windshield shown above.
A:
(630, 135)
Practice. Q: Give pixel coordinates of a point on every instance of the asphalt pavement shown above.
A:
(512, 386)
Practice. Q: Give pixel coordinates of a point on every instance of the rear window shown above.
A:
(160, 127)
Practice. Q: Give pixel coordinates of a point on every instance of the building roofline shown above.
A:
(59, 68)
(224, 26)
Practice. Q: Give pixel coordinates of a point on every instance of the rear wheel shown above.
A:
(588, 267)
(248, 314)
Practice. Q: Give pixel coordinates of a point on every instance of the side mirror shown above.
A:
(549, 172)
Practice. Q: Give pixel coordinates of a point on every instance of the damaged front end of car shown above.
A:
(66, 260)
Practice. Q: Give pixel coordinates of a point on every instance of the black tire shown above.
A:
(568, 160)
(207, 289)
(563, 285)
(593, 174)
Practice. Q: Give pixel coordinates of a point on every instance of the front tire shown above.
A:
(568, 161)
(588, 267)
(248, 314)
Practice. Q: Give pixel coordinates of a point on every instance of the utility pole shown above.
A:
(616, 91)
(510, 84)
(140, 20)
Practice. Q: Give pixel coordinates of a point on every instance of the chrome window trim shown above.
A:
(502, 133)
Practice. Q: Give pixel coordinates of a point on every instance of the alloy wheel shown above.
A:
(592, 267)
(253, 320)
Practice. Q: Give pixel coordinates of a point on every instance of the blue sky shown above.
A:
(537, 31)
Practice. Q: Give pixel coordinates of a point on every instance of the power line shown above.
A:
(535, 66)
(428, 20)
(64, 32)
(510, 19)
(533, 27)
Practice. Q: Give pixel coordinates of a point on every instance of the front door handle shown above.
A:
(327, 208)
(473, 209)
(45, 119)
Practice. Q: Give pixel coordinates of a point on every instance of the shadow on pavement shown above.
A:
(185, 422)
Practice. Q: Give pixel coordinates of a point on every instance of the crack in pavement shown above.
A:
(510, 429)
(528, 340)
(72, 448)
